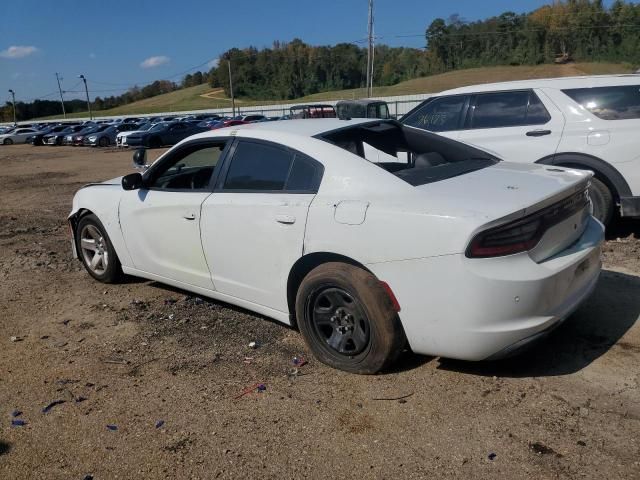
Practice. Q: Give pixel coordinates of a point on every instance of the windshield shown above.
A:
(159, 126)
(416, 156)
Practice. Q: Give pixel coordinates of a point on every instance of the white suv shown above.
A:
(591, 123)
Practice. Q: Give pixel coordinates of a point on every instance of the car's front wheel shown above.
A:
(103, 142)
(348, 320)
(96, 250)
(8, 141)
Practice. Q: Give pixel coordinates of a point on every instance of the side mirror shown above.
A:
(140, 159)
(133, 181)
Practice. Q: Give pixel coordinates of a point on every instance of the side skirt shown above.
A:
(277, 315)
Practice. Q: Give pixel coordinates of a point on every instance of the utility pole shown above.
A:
(64, 114)
(13, 96)
(86, 90)
(370, 52)
(233, 100)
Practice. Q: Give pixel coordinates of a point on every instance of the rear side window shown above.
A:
(438, 115)
(256, 166)
(508, 109)
(305, 174)
(609, 103)
(261, 167)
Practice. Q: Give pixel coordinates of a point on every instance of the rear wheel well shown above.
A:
(303, 266)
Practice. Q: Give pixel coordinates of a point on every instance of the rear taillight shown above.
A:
(524, 234)
(511, 238)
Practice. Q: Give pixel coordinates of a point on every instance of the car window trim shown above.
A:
(171, 156)
(219, 184)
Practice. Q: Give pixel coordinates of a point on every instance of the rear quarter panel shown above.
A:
(614, 141)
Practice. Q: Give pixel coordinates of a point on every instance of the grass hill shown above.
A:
(204, 97)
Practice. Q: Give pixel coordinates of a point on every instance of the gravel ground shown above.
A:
(172, 374)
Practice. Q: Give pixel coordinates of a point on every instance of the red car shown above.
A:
(228, 123)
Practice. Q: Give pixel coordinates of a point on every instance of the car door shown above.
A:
(176, 133)
(161, 221)
(22, 134)
(518, 125)
(253, 225)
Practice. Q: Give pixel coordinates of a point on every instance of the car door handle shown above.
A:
(286, 219)
(538, 133)
(189, 216)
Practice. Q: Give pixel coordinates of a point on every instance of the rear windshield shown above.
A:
(414, 155)
(609, 103)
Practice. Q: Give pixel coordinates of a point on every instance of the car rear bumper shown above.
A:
(475, 309)
(630, 206)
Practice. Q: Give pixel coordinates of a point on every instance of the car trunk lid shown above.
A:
(507, 192)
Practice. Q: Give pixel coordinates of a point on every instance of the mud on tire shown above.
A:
(347, 319)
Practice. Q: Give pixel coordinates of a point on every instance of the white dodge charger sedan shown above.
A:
(366, 235)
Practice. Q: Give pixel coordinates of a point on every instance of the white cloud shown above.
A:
(152, 62)
(17, 51)
(92, 56)
(213, 63)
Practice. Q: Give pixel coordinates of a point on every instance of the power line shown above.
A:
(509, 32)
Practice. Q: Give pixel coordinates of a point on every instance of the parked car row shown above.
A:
(167, 130)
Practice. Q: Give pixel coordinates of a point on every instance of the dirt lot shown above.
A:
(136, 354)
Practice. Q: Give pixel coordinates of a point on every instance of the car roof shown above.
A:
(360, 101)
(313, 105)
(561, 82)
(309, 127)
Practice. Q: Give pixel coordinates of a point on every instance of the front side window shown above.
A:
(261, 167)
(378, 110)
(609, 103)
(190, 169)
(438, 115)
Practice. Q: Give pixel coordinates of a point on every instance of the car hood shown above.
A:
(143, 134)
(113, 181)
(504, 189)
(132, 132)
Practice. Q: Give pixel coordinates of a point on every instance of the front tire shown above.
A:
(602, 200)
(96, 250)
(348, 320)
(103, 142)
(8, 141)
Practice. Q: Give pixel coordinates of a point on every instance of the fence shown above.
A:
(398, 106)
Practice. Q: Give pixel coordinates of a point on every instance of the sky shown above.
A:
(116, 44)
